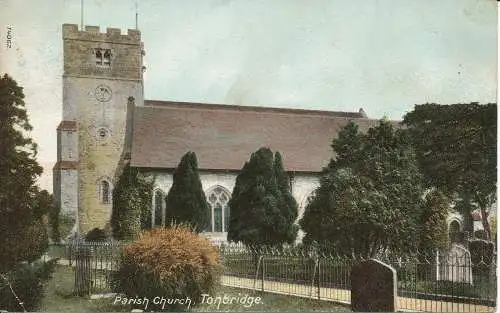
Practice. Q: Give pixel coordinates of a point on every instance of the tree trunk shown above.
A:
(468, 222)
(483, 205)
(486, 223)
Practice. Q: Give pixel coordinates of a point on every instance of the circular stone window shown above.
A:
(102, 133)
(103, 93)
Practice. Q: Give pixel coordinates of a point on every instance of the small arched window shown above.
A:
(105, 192)
(98, 57)
(219, 210)
(107, 57)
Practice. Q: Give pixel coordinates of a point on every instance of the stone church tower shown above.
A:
(102, 82)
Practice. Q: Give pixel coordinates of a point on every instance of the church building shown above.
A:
(107, 121)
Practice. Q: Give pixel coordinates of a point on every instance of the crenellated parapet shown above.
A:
(93, 33)
(91, 53)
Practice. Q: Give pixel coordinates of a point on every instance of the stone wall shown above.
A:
(69, 194)
(95, 99)
(302, 187)
(101, 134)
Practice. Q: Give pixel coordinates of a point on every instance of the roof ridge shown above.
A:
(231, 107)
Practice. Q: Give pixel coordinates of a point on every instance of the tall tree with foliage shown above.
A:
(286, 202)
(371, 189)
(262, 209)
(131, 204)
(18, 173)
(186, 202)
(433, 227)
(23, 233)
(456, 149)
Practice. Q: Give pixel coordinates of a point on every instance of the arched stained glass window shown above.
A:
(219, 210)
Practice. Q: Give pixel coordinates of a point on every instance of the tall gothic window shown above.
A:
(219, 210)
(159, 209)
(105, 192)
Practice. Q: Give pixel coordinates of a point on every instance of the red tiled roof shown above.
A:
(65, 165)
(223, 136)
(67, 125)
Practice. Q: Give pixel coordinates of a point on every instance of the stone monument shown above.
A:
(373, 287)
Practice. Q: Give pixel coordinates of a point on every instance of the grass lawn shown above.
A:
(59, 298)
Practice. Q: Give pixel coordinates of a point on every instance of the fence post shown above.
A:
(438, 267)
(70, 254)
(263, 272)
(319, 277)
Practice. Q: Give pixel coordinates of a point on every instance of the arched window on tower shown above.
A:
(219, 210)
(98, 57)
(107, 57)
(158, 209)
(105, 192)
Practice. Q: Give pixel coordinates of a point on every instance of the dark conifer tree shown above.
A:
(186, 202)
(287, 203)
(262, 213)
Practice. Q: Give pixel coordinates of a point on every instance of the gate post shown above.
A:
(82, 270)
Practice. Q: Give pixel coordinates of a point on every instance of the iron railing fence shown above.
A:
(93, 262)
(446, 281)
(433, 282)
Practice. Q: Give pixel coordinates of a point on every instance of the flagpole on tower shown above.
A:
(136, 15)
(81, 14)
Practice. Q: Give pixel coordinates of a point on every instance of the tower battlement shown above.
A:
(93, 33)
(90, 52)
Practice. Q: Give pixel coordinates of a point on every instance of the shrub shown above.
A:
(480, 234)
(66, 225)
(34, 241)
(96, 234)
(481, 252)
(131, 210)
(28, 281)
(173, 263)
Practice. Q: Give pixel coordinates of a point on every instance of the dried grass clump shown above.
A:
(172, 263)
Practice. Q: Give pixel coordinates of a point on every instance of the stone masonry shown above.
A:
(92, 134)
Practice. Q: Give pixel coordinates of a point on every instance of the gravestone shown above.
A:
(455, 266)
(373, 287)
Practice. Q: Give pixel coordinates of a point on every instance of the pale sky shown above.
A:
(382, 55)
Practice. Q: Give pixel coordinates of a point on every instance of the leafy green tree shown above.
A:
(433, 226)
(131, 204)
(371, 189)
(456, 149)
(23, 233)
(18, 173)
(262, 209)
(186, 202)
